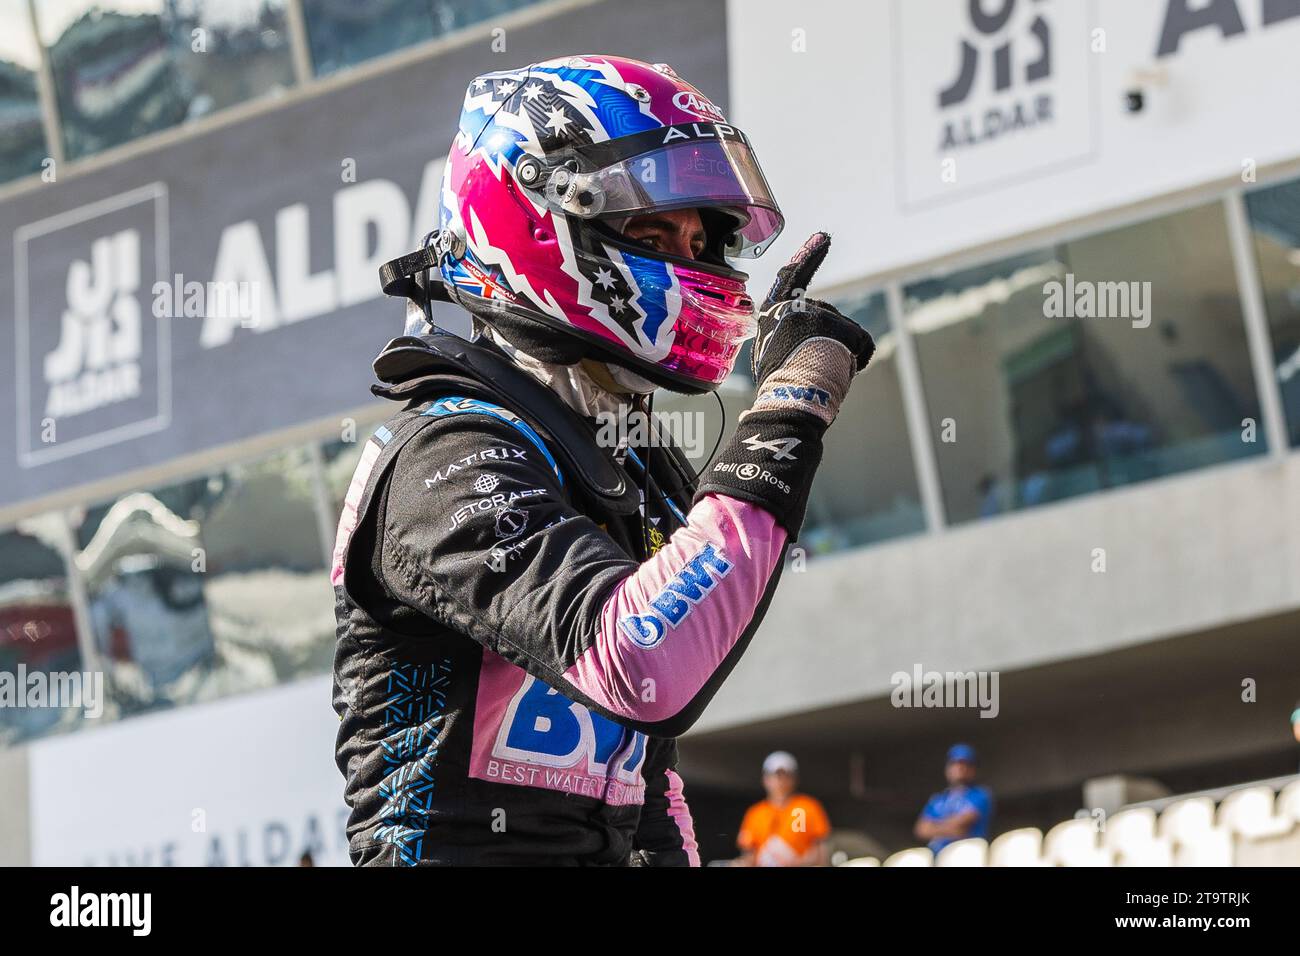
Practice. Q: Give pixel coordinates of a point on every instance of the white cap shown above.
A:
(780, 760)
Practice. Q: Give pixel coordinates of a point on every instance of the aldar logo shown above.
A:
(97, 361)
(998, 66)
(1183, 17)
(91, 362)
(989, 91)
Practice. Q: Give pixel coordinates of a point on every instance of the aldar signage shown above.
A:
(994, 101)
(245, 781)
(93, 354)
(1224, 17)
(90, 368)
(226, 285)
(912, 129)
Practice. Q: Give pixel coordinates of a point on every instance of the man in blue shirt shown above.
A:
(962, 809)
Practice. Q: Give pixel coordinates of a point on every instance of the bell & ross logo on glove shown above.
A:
(748, 471)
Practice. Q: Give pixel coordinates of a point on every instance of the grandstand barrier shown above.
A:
(1254, 824)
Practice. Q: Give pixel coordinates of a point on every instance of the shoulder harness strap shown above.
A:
(416, 368)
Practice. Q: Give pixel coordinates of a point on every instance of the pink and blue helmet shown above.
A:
(549, 161)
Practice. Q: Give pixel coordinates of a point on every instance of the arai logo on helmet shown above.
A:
(697, 105)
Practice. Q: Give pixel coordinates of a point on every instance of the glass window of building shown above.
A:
(1103, 361)
(127, 68)
(22, 135)
(38, 631)
(343, 33)
(865, 490)
(210, 586)
(1275, 219)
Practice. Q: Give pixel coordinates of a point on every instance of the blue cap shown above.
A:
(963, 752)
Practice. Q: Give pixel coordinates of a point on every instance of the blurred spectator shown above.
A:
(786, 829)
(960, 810)
(1295, 722)
(306, 859)
(990, 492)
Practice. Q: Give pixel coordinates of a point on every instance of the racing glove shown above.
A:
(804, 358)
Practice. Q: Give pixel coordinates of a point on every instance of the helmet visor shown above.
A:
(713, 172)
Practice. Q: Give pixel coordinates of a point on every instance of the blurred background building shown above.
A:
(1105, 511)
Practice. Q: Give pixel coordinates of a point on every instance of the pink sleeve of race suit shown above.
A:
(681, 815)
(668, 627)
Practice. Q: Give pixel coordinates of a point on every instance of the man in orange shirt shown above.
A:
(786, 829)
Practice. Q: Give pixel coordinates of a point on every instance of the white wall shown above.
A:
(1183, 554)
(850, 132)
(246, 780)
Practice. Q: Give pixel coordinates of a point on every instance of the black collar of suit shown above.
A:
(413, 369)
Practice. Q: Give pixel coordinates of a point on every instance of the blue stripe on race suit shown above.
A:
(675, 510)
(457, 405)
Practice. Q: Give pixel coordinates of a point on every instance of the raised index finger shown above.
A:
(798, 273)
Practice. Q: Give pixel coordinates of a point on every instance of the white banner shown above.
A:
(247, 781)
(914, 128)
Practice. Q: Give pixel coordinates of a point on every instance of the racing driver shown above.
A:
(527, 616)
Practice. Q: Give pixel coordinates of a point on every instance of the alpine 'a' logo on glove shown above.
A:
(779, 447)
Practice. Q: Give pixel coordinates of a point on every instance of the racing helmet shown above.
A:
(549, 162)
